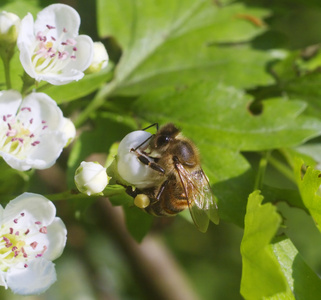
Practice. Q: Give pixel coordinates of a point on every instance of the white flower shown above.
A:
(9, 27)
(31, 130)
(51, 49)
(129, 167)
(100, 59)
(31, 236)
(91, 178)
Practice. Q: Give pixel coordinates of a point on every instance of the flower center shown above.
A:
(18, 245)
(16, 135)
(52, 54)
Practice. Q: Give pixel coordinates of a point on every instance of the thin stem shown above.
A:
(95, 103)
(28, 82)
(6, 65)
(67, 195)
(286, 171)
(261, 172)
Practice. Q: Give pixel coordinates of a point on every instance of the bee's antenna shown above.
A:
(134, 149)
(155, 124)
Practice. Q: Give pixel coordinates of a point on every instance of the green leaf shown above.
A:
(78, 89)
(219, 115)
(177, 42)
(309, 185)
(231, 176)
(303, 282)
(306, 87)
(261, 275)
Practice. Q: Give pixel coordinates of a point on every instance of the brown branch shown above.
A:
(153, 266)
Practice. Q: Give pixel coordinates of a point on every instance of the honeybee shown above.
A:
(175, 159)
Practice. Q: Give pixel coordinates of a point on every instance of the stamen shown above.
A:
(43, 229)
(34, 245)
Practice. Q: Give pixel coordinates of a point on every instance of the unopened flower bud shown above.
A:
(9, 27)
(69, 130)
(91, 178)
(100, 58)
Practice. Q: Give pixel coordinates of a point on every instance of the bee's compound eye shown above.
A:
(141, 201)
(163, 140)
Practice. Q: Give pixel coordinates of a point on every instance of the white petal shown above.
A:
(63, 78)
(1, 213)
(35, 279)
(60, 16)
(43, 108)
(17, 163)
(9, 102)
(46, 153)
(3, 281)
(40, 208)
(84, 54)
(25, 43)
(57, 237)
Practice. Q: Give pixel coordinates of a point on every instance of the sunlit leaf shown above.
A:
(180, 42)
(309, 186)
(220, 115)
(302, 281)
(261, 275)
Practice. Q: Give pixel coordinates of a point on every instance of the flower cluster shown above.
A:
(34, 132)
(31, 236)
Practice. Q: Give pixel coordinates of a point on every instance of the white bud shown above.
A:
(129, 167)
(91, 178)
(69, 130)
(100, 58)
(9, 27)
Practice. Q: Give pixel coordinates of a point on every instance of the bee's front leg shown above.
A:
(148, 162)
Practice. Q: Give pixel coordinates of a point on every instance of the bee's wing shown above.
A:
(201, 201)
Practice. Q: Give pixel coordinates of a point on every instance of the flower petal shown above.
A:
(39, 207)
(25, 44)
(9, 102)
(47, 152)
(57, 236)
(43, 108)
(85, 53)
(60, 16)
(34, 279)
(3, 282)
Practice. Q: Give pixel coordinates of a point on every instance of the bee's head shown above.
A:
(165, 135)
